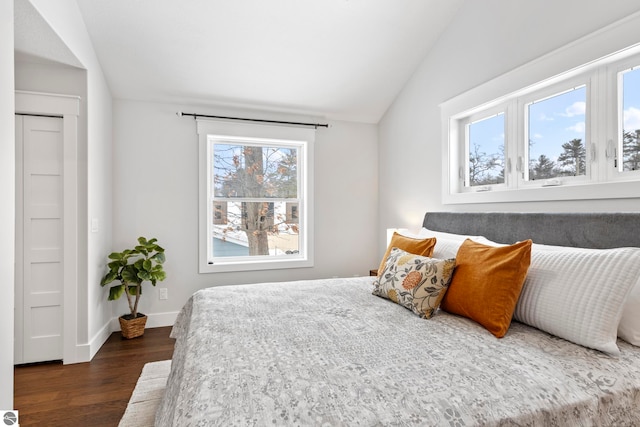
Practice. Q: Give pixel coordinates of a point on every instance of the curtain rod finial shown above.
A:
(179, 114)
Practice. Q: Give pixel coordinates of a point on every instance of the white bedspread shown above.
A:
(327, 352)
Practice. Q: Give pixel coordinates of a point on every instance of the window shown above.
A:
(485, 151)
(556, 135)
(254, 180)
(629, 138)
(572, 135)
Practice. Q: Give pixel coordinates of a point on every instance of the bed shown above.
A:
(330, 353)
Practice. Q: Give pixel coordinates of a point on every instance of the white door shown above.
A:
(39, 239)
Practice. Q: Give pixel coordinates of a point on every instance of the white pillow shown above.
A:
(579, 294)
(447, 244)
(629, 327)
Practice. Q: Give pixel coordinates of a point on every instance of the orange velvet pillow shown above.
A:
(486, 283)
(422, 247)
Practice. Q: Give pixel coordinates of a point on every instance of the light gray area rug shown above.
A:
(141, 409)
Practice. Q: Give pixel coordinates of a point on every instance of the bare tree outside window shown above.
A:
(486, 151)
(485, 168)
(257, 181)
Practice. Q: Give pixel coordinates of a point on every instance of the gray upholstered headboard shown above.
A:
(587, 230)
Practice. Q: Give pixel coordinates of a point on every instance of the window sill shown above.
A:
(591, 191)
(225, 267)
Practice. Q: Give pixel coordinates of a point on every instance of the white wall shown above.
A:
(7, 207)
(94, 176)
(486, 39)
(156, 195)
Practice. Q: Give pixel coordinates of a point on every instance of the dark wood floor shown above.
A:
(88, 394)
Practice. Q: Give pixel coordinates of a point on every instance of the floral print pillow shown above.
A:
(415, 282)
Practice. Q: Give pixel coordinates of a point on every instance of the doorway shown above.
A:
(46, 276)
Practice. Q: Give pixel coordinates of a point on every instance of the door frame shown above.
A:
(67, 107)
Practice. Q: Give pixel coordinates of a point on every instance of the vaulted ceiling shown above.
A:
(341, 59)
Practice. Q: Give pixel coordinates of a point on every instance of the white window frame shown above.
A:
(590, 82)
(243, 133)
(614, 139)
(593, 61)
(463, 174)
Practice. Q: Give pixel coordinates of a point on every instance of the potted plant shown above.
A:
(131, 268)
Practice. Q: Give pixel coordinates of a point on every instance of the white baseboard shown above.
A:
(99, 339)
(82, 354)
(85, 352)
(159, 320)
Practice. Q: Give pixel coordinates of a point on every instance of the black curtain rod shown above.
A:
(315, 125)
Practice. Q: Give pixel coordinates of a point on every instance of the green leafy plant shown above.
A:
(131, 268)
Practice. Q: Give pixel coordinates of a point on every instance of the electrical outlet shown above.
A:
(163, 293)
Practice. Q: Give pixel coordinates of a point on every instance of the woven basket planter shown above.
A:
(133, 328)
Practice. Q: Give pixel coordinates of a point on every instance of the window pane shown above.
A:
(255, 171)
(557, 135)
(631, 120)
(486, 151)
(256, 229)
